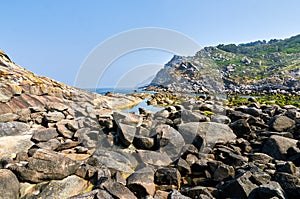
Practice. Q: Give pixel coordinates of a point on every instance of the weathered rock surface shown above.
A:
(62, 142)
(9, 184)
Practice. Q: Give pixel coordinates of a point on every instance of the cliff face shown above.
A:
(254, 67)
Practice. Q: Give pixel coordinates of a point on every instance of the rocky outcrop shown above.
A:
(60, 147)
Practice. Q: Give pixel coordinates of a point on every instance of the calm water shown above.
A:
(135, 109)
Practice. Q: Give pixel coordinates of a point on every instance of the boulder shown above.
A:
(168, 176)
(45, 165)
(8, 117)
(56, 106)
(64, 131)
(241, 128)
(289, 183)
(53, 117)
(189, 116)
(65, 188)
(141, 182)
(11, 145)
(13, 128)
(170, 141)
(209, 132)
(154, 158)
(118, 190)
(239, 187)
(142, 142)
(281, 123)
(44, 135)
(270, 190)
(126, 133)
(116, 160)
(223, 119)
(277, 146)
(9, 185)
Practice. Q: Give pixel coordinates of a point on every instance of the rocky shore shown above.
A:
(60, 142)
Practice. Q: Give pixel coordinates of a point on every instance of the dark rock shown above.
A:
(289, 183)
(44, 135)
(45, 165)
(168, 176)
(126, 134)
(154, 158)
(223, 119)
(223, 171)
(170, 141)
(189, 116)
(9, 185)
(241, 128)
(13, 128)
(141, 182)
(281, 123)
(198, 192)
(183, 167)
(142, 142)
(92, 139)
(270, 190)
(277, 146)
(260, 177)
(209, 132)
(51, 144)
(239, 187)
(115, 160)
(117, 190)
(286, 167)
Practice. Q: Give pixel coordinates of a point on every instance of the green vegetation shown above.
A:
(278, 99)
(246, 63)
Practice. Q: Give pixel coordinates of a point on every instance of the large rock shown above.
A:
(270, 190)
(209, 132)
(281, 123)
(142, 182)
(118, 190)
(45, 165)
(8, 117)
(239, 187)
(44, 135)
(168, 176)
(170, 141)
(189, 116)
(9, 185)
(154, 158)
(13, 128)
(277, 146)
(68, 187)
(115, 160)
(11, 145)
(126, 133)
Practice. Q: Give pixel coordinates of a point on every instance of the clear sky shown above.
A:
(54, 37)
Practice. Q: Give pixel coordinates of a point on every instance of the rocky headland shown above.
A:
(57, 141)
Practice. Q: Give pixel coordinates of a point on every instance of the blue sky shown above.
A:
(54, 37)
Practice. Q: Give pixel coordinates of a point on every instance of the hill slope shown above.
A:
(260, 66)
